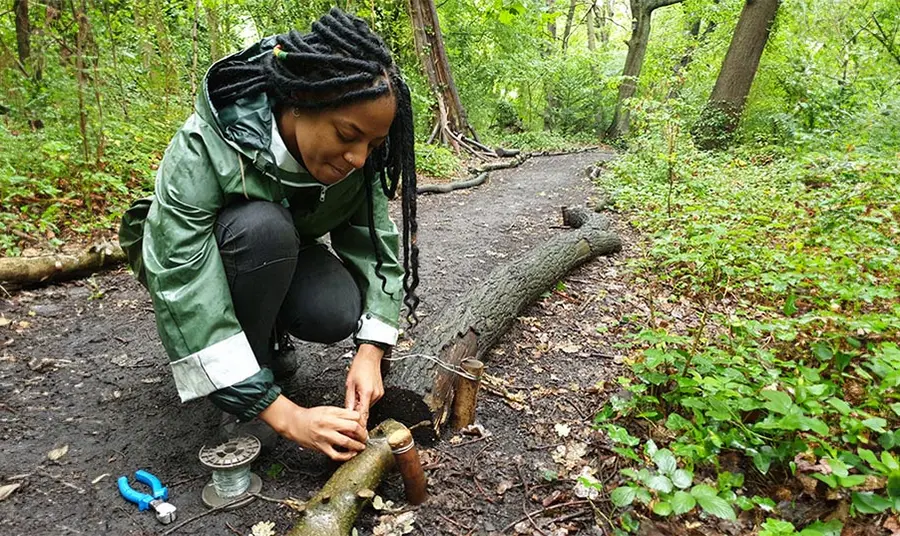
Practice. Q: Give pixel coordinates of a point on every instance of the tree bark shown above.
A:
(418, 389)
(28, 271)
(722, 113)
(589, 24)
(606, 14)
(23, 30)
(569, 19)
(429, 44)
(80, 40)
(641, 13)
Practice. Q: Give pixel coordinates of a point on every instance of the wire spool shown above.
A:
(232, 484)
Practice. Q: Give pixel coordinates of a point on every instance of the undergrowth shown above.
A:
(793, 263)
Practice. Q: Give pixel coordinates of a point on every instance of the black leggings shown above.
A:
(274, 277)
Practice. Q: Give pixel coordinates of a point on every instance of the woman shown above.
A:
(298, 136)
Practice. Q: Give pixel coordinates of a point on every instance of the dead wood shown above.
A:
(333, 511)
(451, 186)
(418, 388)
(30, 271)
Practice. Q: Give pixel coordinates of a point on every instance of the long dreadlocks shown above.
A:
(340, 62)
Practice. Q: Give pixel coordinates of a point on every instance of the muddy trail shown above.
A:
(83, 379)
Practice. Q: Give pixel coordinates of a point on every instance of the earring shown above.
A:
(295, 111)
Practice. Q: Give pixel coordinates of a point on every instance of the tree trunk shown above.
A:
(194, 53)
(430, 48)
(641, 12)
(80, 39)
(606, 14)
(688, 56)
(589, 23)
(569, 19)
(418, 389)
(551, 24)
(23, 30)
(722, 113)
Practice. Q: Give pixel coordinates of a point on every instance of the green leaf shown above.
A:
(622, 496)
(662, 508)
(660, 483)
(838, 467)
(851, 480)
(823, 351)
(893, 485)
(665, 461)
(832, 528)
(829, 480)
(889, 461)
(840, 405)
(683, 502)
(790, 305)
(682, 478)
(776, 401)
(703, 490)
(875, 423)
(716, 506)
(777, 527)
(869, 456)
(869, 503)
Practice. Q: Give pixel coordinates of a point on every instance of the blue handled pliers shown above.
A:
(165, 512)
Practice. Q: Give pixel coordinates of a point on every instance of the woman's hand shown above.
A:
(336, 432)
(364, 385)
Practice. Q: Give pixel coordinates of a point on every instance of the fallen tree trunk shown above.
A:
(451, 186)
(333, 510)
(27, 271)
(420, 389)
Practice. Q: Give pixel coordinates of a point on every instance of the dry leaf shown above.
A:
(892, 524)
(503, 487)
(56, 454)
(4, 321)
(571, 348)
(562, 429)
(6, 491)
(263, 528)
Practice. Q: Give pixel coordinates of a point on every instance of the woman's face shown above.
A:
(332, 143)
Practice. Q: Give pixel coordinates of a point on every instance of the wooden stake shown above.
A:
(466, 398)
(409, 465)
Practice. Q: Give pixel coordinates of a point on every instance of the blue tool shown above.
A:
(165, 512)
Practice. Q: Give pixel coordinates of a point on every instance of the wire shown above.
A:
(455, 369)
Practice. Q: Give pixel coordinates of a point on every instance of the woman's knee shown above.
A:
(257, 231)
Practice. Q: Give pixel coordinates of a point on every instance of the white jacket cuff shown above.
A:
(372, 329)
(215, 367)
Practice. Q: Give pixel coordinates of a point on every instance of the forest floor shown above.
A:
(82, 369)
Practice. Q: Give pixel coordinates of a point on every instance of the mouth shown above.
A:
(339, 171)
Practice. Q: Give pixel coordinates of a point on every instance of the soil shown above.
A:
(81, 367)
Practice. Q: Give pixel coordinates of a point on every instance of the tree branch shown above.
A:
(656, 4)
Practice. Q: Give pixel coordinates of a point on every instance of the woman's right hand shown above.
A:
(334, 431)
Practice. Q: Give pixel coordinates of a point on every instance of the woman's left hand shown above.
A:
(364, 385)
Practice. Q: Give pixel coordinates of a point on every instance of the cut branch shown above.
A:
(449, 187)
(28, 271)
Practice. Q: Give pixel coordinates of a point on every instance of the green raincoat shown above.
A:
(217, 158)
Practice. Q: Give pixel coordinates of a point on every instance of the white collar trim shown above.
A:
(283, 158)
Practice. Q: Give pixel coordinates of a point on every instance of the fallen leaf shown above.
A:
(503, 487)
(892, 524)
(263, 528)
(56, 454)
(562, 429)
(4, 321)
(6, 491)
(24, 324)
(571, 348)
(378, 503)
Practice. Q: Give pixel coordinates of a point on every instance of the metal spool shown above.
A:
(231, 477)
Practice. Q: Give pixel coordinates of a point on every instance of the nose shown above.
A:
(357, 156)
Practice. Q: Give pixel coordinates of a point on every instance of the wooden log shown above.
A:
(420, 389)
(451, 186)
(333, 511)
(466, 399)
(29, 271)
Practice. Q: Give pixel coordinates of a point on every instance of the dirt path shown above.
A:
(81, 367)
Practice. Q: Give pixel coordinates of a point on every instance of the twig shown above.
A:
(476, 440)
(234, 530)
(454, 523)
(185, 481)
(541, 511)
(478, 485)
(204, 514)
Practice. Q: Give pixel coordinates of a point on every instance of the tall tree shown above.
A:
(723, 111)
(641, 12)
(589, 24)
(23, 30)
(452, 123)
(569, 20)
